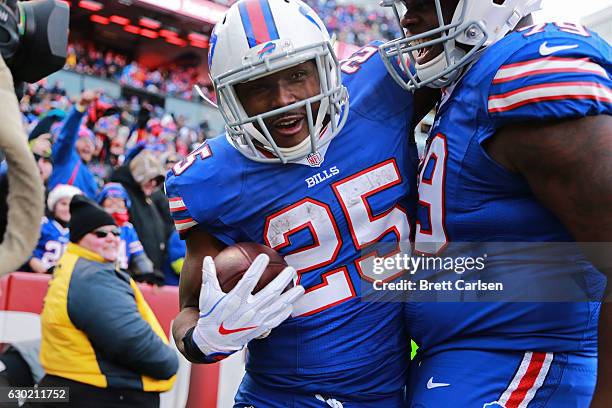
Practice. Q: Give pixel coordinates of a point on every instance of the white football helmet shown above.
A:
(256, 38)
(476, 24)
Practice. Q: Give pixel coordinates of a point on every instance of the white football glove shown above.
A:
(228, 321)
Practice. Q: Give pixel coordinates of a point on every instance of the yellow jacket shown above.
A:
(98, 329)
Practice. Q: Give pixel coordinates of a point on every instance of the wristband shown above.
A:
(195, 355)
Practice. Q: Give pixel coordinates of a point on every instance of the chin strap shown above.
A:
(304, 145)
(302, 148)
(431, 68)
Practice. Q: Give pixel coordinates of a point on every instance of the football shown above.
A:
(232, 262)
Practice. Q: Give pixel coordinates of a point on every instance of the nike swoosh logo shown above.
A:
(223, 331)
(546, 50)
(431, 384)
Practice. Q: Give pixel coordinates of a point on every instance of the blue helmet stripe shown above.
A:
(246, 23)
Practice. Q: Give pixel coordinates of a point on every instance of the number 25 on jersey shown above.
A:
(365, 228)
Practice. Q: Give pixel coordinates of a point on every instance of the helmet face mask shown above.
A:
(475, 25)
(297, 36)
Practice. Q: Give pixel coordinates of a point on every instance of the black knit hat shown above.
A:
(86, 216)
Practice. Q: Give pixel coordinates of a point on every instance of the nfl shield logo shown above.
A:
(314, 159)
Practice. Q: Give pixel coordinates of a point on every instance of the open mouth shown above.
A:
(288, 125)
(423, 55)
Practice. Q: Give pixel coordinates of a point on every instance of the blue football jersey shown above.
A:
(52, 242)
(321, 214)
(545, 72)
(129, 246)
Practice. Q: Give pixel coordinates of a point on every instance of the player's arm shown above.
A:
(199, 244)
(568, 165)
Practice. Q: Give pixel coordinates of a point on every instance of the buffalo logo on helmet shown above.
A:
(266, 49)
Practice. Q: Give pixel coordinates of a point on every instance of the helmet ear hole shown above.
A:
(499, 2)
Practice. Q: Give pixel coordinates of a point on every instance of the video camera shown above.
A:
(33, 37)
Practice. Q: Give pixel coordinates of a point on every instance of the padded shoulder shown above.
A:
(545, 72)
(373, 93)
(205, 185)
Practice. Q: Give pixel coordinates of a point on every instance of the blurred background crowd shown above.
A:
(117, 152)
(173, 80)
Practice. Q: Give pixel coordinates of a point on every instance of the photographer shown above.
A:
(24, 201)
(43, 26)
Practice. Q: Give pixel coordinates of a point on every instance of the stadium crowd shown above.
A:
(352, 24)
(171, 80)
(117, 152)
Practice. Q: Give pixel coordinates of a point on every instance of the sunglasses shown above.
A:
(103, 234)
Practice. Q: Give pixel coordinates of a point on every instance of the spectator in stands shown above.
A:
(57, 88)
(45, 165)
(170, 159)
(110, 353)
(144, 115)
(41, 149)
(43, 124)
(132, 258)
(149, 212)
(53, 229)
(73, 149)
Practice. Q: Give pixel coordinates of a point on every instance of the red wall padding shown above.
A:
(24, 292)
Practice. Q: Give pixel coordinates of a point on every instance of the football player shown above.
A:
(319, 183)
(519, 152)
